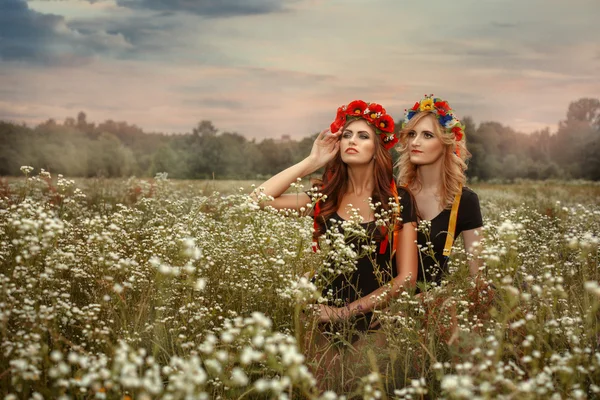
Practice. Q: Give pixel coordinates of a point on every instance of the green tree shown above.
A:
(577, 138)
(109, 157)
(166, 159)
(206, 151)
(585, 110)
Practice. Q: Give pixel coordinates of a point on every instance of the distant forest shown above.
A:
(78, 148)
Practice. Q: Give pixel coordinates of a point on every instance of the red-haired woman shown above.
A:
(358, 174)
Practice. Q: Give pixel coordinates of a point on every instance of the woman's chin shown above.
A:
(355, 159)
(418, 160)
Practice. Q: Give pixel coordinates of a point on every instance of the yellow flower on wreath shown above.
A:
(426, 105)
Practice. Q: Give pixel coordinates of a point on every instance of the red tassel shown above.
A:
(394, 190)
(383, 245)
(315, 244)
(384, 242)
(329, 174)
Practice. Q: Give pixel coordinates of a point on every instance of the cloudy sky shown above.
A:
(264, 68)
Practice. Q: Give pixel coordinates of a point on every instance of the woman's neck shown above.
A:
(430, 176)
(360, 179)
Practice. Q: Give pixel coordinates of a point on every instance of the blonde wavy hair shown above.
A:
(454, 165)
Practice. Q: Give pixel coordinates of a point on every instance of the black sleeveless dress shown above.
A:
(433, 265)
(373, 269)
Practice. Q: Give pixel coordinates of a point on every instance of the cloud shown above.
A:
(159, 38)
(210, 103)
(212, 8)
(173, 98)
(28, 35)
(22, 31)
(504, 25)
(266, 68)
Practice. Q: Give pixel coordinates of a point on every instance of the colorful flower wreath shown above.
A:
(442, 111)
(374, 114)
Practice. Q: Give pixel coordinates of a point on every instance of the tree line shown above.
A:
(78, 148)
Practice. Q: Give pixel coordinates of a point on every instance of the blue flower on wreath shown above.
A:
(444, 119)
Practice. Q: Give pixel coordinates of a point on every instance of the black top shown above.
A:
(432, 263)
(372, 269)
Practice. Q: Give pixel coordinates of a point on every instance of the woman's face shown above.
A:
(357, 143)
(424, 146)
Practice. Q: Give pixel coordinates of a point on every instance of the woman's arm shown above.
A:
(406, 263)
(471, 222)
(324, 149)
(472, 239)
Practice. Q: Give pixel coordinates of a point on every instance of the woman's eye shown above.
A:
(428, 135)
(412, 134)
(347, 134)
(364, 136)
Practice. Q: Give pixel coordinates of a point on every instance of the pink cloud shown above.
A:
(286, 73)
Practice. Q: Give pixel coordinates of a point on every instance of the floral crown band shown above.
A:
(374, 114)
(441, 110)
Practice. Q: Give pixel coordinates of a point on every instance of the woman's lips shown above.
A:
(416, 151)
(351, 151)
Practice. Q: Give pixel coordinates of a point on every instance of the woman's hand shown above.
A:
(325, 148)
(330, 314)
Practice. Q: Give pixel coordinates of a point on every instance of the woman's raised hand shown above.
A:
(325, 148)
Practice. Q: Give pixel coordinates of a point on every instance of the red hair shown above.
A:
(335, 184)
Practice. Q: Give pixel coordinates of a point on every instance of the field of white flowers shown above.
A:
(147, 289)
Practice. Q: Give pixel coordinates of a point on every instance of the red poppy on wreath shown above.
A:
(337, 124)
(356, 108)
(458, 133)
(375, 110)
(389, 140)
(442, 106)
(340, 119)
(385, 123)
(416, 106)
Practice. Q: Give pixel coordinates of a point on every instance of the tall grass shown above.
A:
(182, 289)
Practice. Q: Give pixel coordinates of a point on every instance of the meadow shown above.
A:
(162, 289)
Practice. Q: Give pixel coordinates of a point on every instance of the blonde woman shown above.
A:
(432, 165)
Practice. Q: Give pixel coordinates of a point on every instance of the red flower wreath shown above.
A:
(375, 115)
